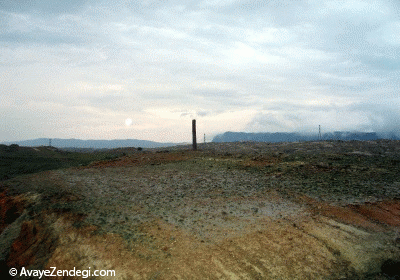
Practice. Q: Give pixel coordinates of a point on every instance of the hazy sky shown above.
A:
(82, 69)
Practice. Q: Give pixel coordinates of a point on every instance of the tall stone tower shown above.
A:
(194, 135)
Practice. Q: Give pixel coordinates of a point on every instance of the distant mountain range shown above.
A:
(295, 136)
(94, 144)
(225, 137)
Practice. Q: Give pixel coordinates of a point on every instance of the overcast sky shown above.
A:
(82, 69)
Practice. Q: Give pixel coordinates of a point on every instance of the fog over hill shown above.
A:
(224, 137)
(95, 144)
(296, 136)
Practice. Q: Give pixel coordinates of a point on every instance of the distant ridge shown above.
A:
(94, 144)
(295, 136)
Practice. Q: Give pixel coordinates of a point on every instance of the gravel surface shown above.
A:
(247, 210)
(195, 195)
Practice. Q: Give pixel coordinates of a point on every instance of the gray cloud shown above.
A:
(282, 65)
(381, 117)
(289, 117)
(40, 37)
(42, 6)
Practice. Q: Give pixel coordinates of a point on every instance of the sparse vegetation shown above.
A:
(248, 207)
(16, 160)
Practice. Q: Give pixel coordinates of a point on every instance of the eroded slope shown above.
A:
(229, 211)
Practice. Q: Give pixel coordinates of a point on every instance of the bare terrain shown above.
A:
(245, 210)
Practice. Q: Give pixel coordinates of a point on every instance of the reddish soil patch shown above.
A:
(37, 240)
(32, 239)
(385, 212)
(346, 215)
(143, 159)
(368, 215)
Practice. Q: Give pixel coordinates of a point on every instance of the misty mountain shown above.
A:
(295, 136)
(94, 144)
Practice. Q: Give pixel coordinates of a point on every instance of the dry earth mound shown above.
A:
(310, 210)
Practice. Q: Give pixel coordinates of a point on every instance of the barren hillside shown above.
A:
(246, 210)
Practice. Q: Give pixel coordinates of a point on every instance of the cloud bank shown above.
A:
(79, 69)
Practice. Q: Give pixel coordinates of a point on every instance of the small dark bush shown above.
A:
(12, 148)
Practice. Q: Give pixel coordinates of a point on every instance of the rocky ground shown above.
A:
(308, 210)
